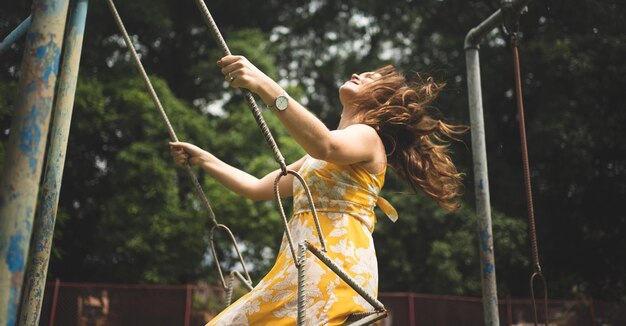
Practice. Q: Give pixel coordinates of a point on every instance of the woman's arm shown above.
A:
(353, 144)
(232, 178)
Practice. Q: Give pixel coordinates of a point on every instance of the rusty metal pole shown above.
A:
(39, 256)
(21, 172)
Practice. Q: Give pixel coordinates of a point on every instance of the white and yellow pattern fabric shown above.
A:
(344, 198)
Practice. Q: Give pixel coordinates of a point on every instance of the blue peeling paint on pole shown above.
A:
(18, 32)
(479, 151)
(45, 219)
(481, 182)
(21, 172)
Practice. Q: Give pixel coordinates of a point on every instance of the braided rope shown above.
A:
(197, 187)
(281, 210)
(367, 318)
(249, 98)
(235, 245)
(301, 263)
(230, 287)
(312, 206)
(157, 103)
(344, 276)
(217, 35)
(300, 260)
(363, 318)
(229, 290)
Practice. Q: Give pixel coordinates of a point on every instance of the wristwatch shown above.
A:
(280, 103)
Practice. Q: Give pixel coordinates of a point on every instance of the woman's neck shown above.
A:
(348, 118)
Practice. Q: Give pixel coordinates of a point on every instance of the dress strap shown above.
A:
(386, 207)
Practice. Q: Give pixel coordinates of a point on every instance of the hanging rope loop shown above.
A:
(539, 275)
(190, 173)
(224, 228)
(217, 35)
(281, 210)
(228, 286)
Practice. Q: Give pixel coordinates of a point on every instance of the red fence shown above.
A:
(90, 304)
(114, 304)
(412, 309)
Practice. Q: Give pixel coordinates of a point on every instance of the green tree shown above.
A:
(573, 74)
(124, 217)
(571, 89)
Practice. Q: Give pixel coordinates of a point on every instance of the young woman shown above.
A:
(384, 122)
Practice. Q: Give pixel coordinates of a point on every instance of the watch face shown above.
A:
(282, 102)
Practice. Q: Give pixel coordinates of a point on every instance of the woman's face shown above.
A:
(351, 88)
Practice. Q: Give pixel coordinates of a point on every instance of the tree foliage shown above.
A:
(126, 214)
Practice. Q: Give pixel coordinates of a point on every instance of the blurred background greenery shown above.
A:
(127, 214)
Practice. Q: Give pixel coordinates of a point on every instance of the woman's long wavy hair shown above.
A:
(415, 142)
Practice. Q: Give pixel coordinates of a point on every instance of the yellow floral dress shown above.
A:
(344, 198)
